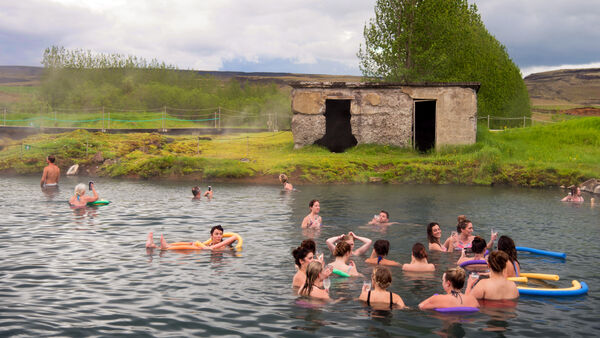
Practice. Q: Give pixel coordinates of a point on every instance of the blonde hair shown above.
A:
(456, 277)
(313, 270)
(382, 276)
(80, 189)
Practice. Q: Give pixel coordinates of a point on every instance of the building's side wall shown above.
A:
(456, 113)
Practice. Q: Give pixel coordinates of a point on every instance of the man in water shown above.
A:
(197, 192)
(382, 219)
(51, 173)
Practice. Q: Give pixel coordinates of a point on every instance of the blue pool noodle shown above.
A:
(561, 293)
(543, 252)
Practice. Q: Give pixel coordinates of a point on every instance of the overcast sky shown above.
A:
(300, 36)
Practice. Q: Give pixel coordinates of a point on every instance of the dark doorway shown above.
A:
(338, 131)
(424, 128)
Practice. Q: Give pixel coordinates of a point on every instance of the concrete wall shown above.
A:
(383, 113)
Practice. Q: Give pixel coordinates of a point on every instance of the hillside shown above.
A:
(565, 88)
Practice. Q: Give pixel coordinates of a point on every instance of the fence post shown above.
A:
(198, 145)
(5, 116)
(219, 117)
(55, 121)
(215, 120)
(102, 118)
(108, 120)
(163, 118)
(488, 122)
(524, 121)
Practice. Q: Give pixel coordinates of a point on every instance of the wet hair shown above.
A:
(348, 237)
(80, 189)
(418, 251)
(430, 237)
(381, 247)
(216, 227)
(196, 190)
(387, 214)
(310, 245)
(341, 249)
(462, 225)
(456, 277)
(507, 245)
(283, 178)
(382, 276)
(311, 203)
(478, 245)
(51, 158)
(313, 270)
(209, 188)
(497, 260)
(300, 253)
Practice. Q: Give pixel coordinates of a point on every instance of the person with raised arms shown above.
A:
(453, 281)
(418, 261)
(381, 279)
(349, 238)
(381, 248)
(313, 220)
(80, 199)
(497, 287)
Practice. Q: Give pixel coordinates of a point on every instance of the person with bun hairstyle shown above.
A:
(381, 248)
(302, 257)
(478, 247)
(497, 287)
(315, 274)
(313, 220)
(453, 281)
(381, 279)
(434, 235)
(342, 262)
(506, 244)
(418, 261)
(465, 234)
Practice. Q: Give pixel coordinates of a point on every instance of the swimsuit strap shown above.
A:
(369, 298)
(391, 300)
(456, 294)
(379, 258)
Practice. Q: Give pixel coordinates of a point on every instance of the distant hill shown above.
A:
(565, 87)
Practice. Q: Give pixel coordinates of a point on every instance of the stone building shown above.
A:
(339, 115)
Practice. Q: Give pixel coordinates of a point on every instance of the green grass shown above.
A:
(560, 153)
(20, 89)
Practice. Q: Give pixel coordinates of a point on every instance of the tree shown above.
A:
(442, 41)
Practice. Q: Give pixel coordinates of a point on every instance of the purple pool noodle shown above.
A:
(473, 262)
(457, 309)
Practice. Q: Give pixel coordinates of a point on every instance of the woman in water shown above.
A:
(286, 185)
(79, 198)
(381, 279)
(478, 247)
(573, 196)
(342, 261)
(349, 238)
(313, 220)
(418, 261)
(506, 244)
(209, 193)
(216, 236)
(465, 234)
(434, 235)
(453, 281)
(314, 277)
(302, 256)
(497, 287)
(380, 250)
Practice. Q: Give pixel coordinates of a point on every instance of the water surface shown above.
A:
(87, 273)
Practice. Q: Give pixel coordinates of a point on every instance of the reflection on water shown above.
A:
(73, 272)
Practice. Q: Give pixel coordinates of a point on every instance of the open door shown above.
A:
(424, 125)
(338, 130)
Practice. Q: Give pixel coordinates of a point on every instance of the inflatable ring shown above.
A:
(473, 262)
(340, 273)
(542, 252)
(541, 276)
(521, 279)
(575, 290)
(95, 203)
(456, 309)
(239, 244)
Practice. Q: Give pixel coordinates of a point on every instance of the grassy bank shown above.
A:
(561, 153)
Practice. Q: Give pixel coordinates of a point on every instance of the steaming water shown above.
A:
(71, 273)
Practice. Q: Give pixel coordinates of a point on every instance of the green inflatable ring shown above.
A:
(102, 202)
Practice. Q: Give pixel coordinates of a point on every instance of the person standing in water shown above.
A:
(79, 198)
(197, 192)
(51, 173)
(286, 185)
(313, 220)
(209, 193)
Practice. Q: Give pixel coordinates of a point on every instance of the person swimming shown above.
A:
(216, 236)
(381, 249)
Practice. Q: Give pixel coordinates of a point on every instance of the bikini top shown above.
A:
(461, 245)
(391, 299)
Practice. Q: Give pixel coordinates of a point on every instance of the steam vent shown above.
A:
(340, 115)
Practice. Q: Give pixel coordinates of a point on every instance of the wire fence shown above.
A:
(162, 118)
(500, 123)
